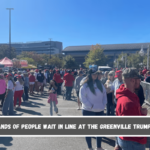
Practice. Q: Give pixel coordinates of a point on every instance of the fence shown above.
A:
(146, 89)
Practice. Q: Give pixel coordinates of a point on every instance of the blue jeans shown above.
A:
(88, 139)
(8, 104)
(110, 109)
(68, 92)
(130, 145)
(25, 94)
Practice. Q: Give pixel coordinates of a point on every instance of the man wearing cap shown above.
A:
(128, 104)
(68, 78)
(117, 82)
(77, 86)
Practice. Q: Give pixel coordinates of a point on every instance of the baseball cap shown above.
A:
(131, 73)
(8, 75)
(118, 73)
(92, 71)
(19, 77)
(111, 73)
(36, 70)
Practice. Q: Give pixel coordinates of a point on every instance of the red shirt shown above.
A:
(128, 104)
(31, 78)
(144, 71)
(68, 79)
(57, 78)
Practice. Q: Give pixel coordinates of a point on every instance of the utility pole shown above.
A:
(10, 31)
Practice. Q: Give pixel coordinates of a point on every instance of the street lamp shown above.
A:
(142, 53)
(9, 30)
(122, 59)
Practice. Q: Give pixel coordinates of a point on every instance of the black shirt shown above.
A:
(148, 79)
(140, 94)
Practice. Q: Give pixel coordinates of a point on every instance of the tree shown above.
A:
(30, 60)
(69, 62)
(95, 56)
(16, 64)
(5, 52)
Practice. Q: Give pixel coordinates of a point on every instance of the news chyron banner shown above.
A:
(75, 126)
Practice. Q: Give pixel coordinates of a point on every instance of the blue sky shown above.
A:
(76, 22)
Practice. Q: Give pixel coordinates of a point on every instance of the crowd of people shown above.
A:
(95, 90)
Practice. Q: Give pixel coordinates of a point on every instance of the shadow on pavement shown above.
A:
(108, 141)
(6, 141)
(32, 104)
(34, 98)
(31, 112)
(58, 114)
(3, 148)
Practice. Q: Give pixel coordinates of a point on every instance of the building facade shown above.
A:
(46, 47)
(111, 51)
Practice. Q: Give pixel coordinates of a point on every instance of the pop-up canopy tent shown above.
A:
(6, 62)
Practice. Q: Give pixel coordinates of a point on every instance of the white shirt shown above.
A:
(35, 76)
(10, 85)
(93, 102)
(18, 86)
(45, 74)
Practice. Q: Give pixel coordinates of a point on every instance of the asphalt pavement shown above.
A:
(38, 106)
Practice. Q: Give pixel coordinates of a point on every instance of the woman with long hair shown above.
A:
(8, 102)
(93, 98)
(2, 89)
(109, 90)
(18, 91)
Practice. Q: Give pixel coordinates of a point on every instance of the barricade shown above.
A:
(146, 90)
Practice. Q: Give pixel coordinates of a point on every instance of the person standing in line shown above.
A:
(8, 102)
(109, 90)
(2, 90)
(77, 86)
(93, 98)
(18, 91)
(68, 78)
(128, 104)
(36, 81)
(116, 84)
(31, 82)
(26, 87)
(57, 78)
(103, 80)
(50, 76)
(52, 99)
(40, 79)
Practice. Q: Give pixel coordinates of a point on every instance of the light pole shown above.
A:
(142, 53)
(9, 30)
(124, 57)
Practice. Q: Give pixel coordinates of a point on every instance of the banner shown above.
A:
(75, 126)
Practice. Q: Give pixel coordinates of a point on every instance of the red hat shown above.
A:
(8, 75)
(118, 73)
(19, 77)
(36, 70)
